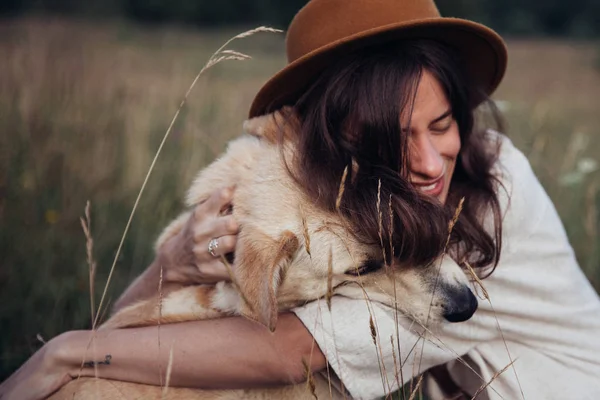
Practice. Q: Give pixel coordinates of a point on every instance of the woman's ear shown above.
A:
(260, 267)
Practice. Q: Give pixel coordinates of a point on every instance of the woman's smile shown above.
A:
(434, 188)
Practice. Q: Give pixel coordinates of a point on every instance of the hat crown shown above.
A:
(321, 22)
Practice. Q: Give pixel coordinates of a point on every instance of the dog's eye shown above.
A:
(366, 268)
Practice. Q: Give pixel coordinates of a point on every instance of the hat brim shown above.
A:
(483, 51)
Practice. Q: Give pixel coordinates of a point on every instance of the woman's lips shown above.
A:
(431, 189)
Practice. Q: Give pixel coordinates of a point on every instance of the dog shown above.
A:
(289, 252)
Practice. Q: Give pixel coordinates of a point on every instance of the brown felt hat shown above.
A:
(326, 29)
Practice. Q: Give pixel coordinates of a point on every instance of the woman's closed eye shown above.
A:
(442, 128)
(366, 267)
(443, 125)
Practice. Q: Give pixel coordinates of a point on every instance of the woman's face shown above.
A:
(434, 139)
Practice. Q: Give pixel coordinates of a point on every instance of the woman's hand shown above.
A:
(39, 377)
(186, 257)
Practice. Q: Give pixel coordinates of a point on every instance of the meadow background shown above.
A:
(85, 102)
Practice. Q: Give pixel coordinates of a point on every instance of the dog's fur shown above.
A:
(288, 252)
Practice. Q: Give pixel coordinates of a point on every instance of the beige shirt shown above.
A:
(543, 315)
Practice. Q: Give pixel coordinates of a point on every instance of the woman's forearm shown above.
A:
(214, 354)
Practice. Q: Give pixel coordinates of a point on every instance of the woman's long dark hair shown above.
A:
(350, 118)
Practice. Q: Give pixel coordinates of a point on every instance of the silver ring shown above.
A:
(212, 246)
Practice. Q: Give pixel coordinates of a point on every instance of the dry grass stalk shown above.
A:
(496, 375)
(86, 225)
(398, 373)
(577, 144)
(373, 330)
(391, 229)
(445, 346)
(507, 350)
(341, 189)
(380, 359)
(476, 279)
(397, 367)
(456, 215)
(451, 225)
(215, 58)
(40, 338)
(252, 32)
(329, 294)
(160, 303)
(453, 222)
(380, 222)
(310, 380)
(312, 349)
(487, 297)
(590, 221)
(105, 310)
(165, 390)
(236, 53)
(415, 373)
(416, 388)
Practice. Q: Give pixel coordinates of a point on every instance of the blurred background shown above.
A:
(88, 89)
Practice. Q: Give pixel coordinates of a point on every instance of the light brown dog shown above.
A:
(288, 252)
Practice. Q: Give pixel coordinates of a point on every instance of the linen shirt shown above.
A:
(537, 337)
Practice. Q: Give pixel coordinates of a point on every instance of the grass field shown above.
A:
(83, 107)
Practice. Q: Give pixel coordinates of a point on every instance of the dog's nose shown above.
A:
(460, 305)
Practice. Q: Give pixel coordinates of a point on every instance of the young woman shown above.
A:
(392, 87)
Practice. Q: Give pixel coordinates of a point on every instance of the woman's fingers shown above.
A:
(212, 268)
(208, 272)
(226, 225)
(219, 200)
(220, 246)
(214, 271)
(214, 228)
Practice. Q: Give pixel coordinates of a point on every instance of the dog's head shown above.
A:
(430, 293)
(427, 294)
(332, 262)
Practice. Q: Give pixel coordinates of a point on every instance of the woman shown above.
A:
(392, 87)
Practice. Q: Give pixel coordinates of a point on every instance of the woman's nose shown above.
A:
(425, 160)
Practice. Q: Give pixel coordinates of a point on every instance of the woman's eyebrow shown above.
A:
(443, 116)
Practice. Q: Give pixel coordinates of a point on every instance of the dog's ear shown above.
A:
(281, 124)
(260, 266)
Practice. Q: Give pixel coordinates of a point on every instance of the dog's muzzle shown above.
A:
(460, 303)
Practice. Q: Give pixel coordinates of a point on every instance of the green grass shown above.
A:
(83, 107)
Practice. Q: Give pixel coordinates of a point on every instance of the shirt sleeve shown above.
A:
(374, 350)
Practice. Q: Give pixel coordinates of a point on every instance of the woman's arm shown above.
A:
(214, 354)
